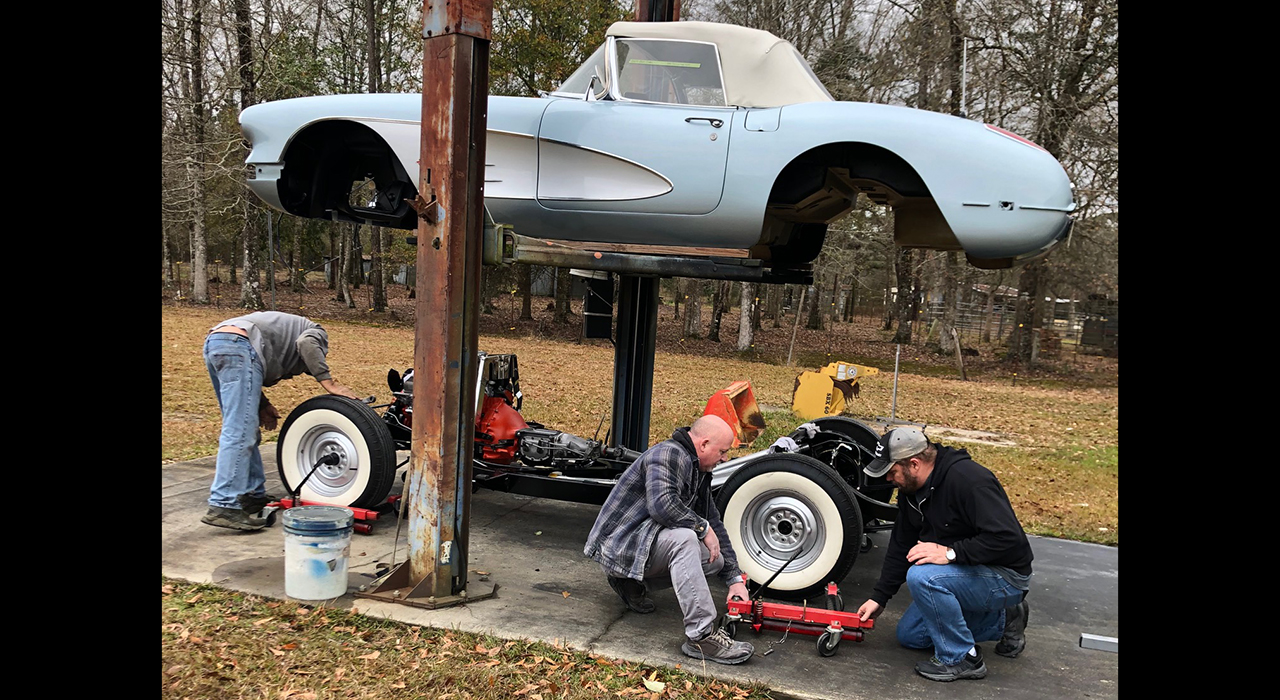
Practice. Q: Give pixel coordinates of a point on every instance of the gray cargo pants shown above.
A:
(679, 560)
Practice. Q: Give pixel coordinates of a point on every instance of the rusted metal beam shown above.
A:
(657, 10)
(455, 80)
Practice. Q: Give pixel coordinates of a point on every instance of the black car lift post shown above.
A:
(633, 354)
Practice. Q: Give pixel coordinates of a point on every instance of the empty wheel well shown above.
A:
(345, 170)
(821, 185)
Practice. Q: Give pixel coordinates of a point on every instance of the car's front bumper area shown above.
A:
(1005, 263)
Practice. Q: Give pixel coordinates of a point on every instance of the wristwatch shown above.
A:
(951, 555)
(701, 529)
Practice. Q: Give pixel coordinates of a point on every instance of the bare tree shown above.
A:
(251, 287)
(745, 333)
(693, 309)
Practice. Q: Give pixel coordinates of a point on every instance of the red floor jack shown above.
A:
(830, 625)
(363, 516)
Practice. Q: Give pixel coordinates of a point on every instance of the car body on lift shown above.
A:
(805, 492)
(689, 134)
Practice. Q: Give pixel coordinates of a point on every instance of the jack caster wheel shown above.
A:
(827, 644)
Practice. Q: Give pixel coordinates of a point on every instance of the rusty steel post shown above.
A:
(657, 10)
(455, 88)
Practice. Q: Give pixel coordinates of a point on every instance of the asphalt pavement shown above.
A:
(532, 549)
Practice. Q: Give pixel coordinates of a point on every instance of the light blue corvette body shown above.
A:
(749, 168)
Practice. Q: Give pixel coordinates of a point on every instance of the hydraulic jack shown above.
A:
(830, 625)
(363, 516)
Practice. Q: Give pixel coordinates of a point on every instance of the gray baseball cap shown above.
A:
(899, 443)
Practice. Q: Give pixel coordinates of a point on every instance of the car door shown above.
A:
(658, 143)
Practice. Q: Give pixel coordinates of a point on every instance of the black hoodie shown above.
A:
(961, 506)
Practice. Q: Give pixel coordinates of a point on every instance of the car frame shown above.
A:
(805, 495)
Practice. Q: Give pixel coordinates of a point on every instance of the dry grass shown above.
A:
(217, 643)
(1062, 478)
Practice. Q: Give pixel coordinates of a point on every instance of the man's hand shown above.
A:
(928, 553)
(869, 610)
(712, 542)
(268, 416)
(334, 387)
(738, 589)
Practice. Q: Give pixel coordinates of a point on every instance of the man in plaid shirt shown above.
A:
(661, 526)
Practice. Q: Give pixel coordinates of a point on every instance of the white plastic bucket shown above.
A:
(317, 542)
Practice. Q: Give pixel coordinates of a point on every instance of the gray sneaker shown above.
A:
(718, 647)
(1014, 639)
(233, 518)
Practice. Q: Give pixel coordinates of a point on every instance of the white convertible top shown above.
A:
(760, 70)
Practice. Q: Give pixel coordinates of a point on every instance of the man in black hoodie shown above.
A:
(961, 551)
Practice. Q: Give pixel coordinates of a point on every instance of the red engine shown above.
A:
(496, 427)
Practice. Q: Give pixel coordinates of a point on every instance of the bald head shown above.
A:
(712, 438)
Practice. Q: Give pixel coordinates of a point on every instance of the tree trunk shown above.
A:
(195, 161)
(525, 274)
(679, 292)
(775, 305)
(166, 260)
(719, 301)
(355, 269)
(334, 259)
(564, 285)
(990, 310)
(1026, 318)
(377, 278)
(905, 301)
(756, 304)
(851, 301)
(815, 308)
(949, 295)
(693, 310)
(832, 309)
(744, 318)
(251, 288)
(348, 256)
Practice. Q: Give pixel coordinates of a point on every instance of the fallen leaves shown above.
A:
(371, 655)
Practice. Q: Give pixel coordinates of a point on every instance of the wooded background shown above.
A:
(1044, 69)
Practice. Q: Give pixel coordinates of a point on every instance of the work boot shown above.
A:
(233, 518)
(250, 503)
(1015, 625)
(718, 647)
(632, 592)
(971, 666)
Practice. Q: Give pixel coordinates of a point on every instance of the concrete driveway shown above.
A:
(532, 548)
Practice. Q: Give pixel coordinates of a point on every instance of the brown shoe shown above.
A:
(233, 518)
(718, 647)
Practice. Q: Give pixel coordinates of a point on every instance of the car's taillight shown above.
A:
(1015, 137)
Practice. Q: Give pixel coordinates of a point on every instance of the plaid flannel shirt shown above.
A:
(662, 489)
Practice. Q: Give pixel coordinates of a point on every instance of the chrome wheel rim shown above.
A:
(329, 480)
(777, 523)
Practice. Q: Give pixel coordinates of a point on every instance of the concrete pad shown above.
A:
(1074, 591)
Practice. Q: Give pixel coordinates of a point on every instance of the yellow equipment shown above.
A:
(827, 391)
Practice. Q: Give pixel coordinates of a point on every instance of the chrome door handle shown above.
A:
(717, 123)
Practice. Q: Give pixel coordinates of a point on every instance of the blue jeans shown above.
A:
(236, 373)
(954, 608)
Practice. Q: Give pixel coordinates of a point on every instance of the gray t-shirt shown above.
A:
(288, 345)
